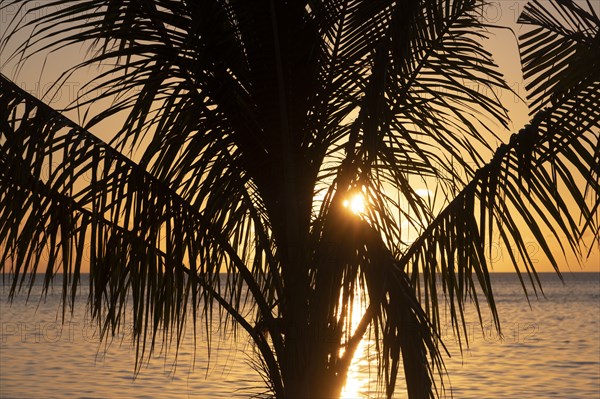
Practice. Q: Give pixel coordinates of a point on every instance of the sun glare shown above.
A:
(356, 204)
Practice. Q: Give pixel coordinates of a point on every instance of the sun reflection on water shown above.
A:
(357, 382)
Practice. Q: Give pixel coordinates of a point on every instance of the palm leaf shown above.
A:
(560, 50)
(244, 111)
(66, 196)
(517, 195)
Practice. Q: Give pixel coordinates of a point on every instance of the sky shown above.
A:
(39, 73)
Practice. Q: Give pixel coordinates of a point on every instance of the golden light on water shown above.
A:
(357, 381)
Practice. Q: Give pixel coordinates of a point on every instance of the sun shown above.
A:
(356, 204)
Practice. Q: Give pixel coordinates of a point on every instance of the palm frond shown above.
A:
(242, 111)
(68, 197)
(559, 52)
(531, 188)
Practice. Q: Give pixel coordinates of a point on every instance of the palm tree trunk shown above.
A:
(312, 368)
(315, 383)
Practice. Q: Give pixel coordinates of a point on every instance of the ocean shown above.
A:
(550, 348)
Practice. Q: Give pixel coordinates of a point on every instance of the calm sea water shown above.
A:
(548, 350)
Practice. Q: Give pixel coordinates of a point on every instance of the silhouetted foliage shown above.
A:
(257, 120)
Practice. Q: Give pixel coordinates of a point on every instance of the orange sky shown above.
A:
(39, 73)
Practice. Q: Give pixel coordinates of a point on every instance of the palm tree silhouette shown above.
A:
(258, 120)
